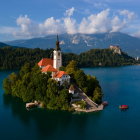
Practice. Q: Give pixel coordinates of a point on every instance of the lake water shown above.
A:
(120, 85)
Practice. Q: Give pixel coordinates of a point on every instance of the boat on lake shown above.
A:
(105, 103)
(123, 107)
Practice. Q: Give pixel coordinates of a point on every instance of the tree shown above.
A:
(63, 101)
(97, 95)
(71, 67)
(80, 78)
(7, 86)
(25, 69)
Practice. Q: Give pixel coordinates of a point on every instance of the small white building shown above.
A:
(62, 77)
(73, 91)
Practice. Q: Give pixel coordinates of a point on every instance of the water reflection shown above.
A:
(45, 123)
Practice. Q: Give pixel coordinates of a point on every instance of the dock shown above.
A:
(32, 104)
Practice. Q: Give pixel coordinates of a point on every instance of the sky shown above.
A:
(24, 19)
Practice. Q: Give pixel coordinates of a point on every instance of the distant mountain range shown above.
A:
(78, 43)
(2, 45)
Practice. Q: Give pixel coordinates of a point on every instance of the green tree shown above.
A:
(80, 78)
(97, 95)
(7, 86)
(71, 67)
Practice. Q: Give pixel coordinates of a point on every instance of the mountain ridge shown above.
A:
(77, 43)
(3, 45)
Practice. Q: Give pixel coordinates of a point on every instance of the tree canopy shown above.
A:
(30, 85)
(14, 58)
(89, 84)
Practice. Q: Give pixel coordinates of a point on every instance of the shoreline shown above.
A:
(137, 64)
(99, 108)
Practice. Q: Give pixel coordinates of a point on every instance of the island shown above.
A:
(53, 86)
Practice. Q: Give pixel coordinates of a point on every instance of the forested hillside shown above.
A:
(14, 58)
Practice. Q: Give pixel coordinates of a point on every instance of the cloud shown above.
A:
(95, 23)
(117, 24)
(23, 20)
(110, 1)
(50, 26)
(101, 22)
(70, 25)
(100, 5)
(130, 15)
(25, 24)
(70, 12)
(136, 34)
(7, 30)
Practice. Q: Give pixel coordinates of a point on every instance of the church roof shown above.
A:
(48, 68)
(45, 62)
(59, 74)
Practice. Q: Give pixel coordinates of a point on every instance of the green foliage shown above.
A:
(71, 67)
(89, 84)
(7, 85)
(30, 85)
(82, 104)
(104, 57)
(25, 69)
(62, 68)
(97, 96)
(14, 58)
(80, 78)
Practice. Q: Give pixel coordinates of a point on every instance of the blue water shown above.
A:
(120, 85)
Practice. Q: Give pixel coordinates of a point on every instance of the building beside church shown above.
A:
(53, 65)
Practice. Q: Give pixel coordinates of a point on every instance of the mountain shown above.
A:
(3, 45)
(78, 43)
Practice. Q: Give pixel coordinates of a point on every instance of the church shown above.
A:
(53, 65)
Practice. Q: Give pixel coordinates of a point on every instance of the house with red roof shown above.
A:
(44, 62)
(62, 77)
(53, 65)
(48, 68)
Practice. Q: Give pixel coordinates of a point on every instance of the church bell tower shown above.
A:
(57, 56)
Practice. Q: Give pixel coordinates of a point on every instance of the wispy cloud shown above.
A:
(70, 12)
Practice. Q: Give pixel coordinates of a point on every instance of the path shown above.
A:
(91, 106)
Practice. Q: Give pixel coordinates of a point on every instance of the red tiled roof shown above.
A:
(59, 74)
(45, 62)
(48, 68)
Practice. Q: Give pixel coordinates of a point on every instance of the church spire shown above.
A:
(57, 44)
(57, 56)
